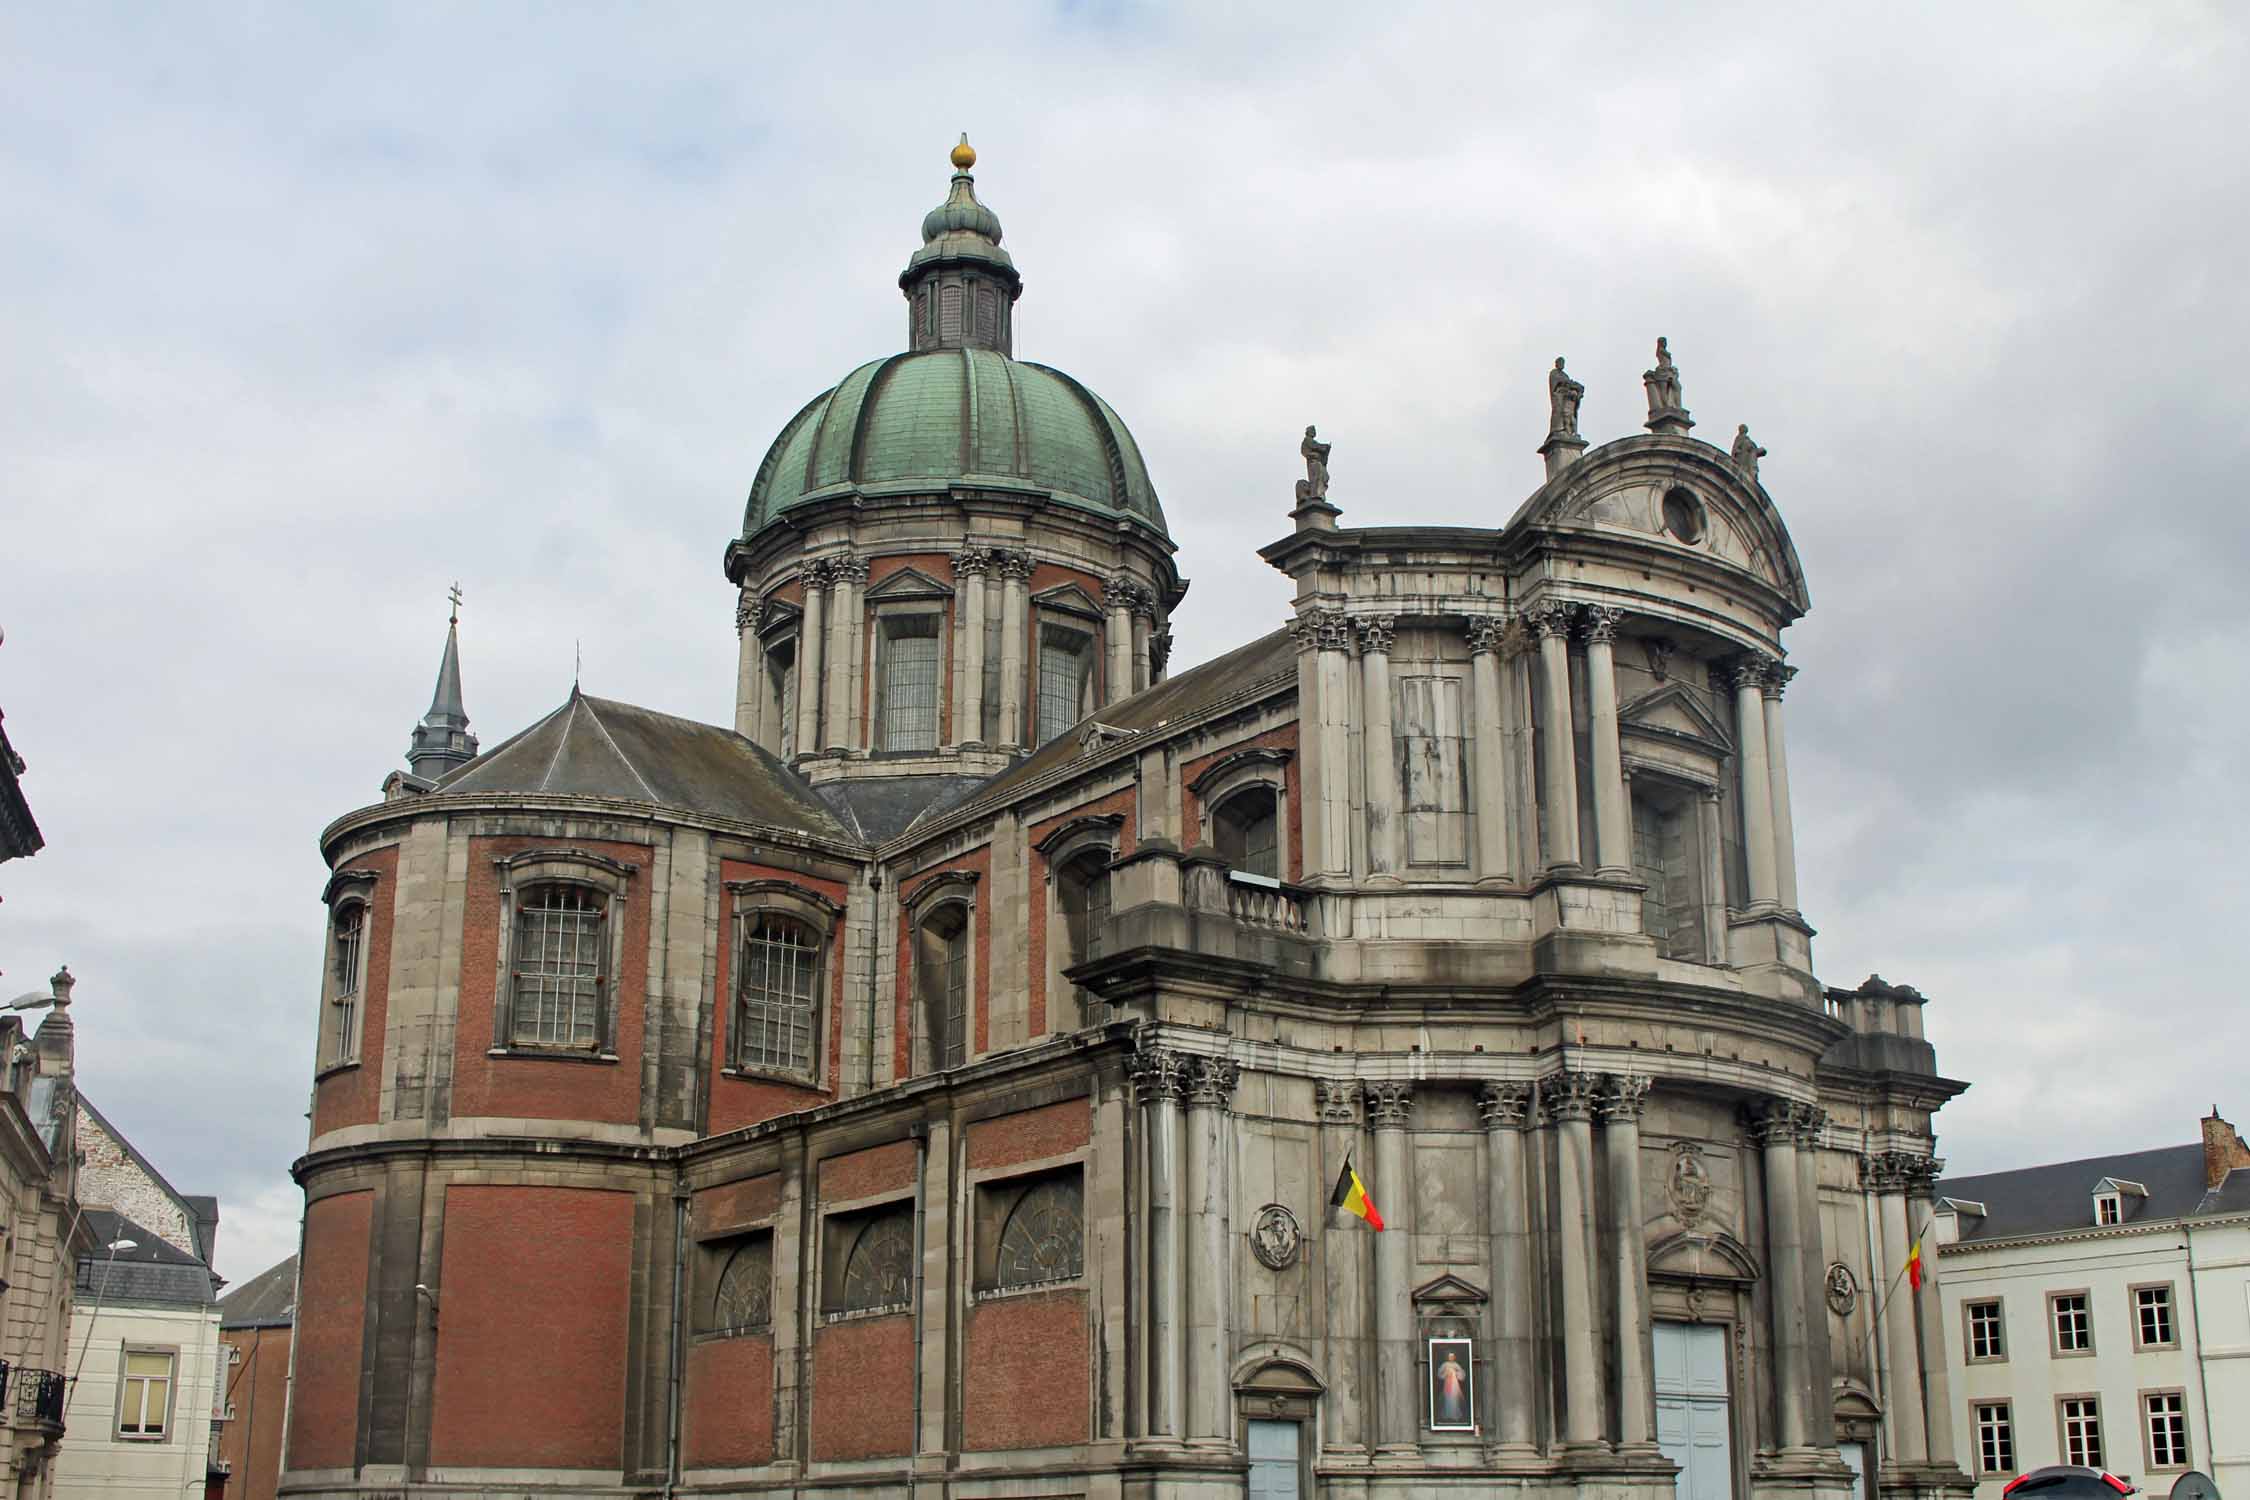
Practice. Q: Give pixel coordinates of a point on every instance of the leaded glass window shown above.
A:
(942, 980)
(1246, 830)
(1065, 672)
(561, 953)
(1045, 1236)
(910, 682)
(744, 1298)
(879, 1269)
(351, 926)
(778, 994)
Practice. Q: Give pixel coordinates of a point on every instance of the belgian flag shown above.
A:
(1351, 1197)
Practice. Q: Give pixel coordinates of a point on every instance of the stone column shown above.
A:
(1921, 1174)
(1558, 793)
(1015, 610)
(1489, 749)
(1159, 1083)
(1613, 826)
(1757, 780)
(1117, 599)
(1211, 1241)
(1773, 1131)
(1397, 1385)
(969, 566)
(1343, 1248)
(1820, 1411)
(1144, 631)
(1569, 1101)
(1505, 1109)
(1902, 1386)
(1621, 1103)
(847, 640)
(1714, 876)
(1380, 759)
(810, 633)
(1777, 777)
(1324, 638)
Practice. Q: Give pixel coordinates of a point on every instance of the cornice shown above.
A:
(454, 804)
(2091, 1232)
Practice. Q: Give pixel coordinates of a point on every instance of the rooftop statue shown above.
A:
(1746, 451)
(1663, 384)
(1314, 486)
(1563, 396)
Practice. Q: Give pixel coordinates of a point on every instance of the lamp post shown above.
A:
(92, 1318)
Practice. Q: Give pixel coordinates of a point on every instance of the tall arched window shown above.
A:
(777, 994)
(346, 954)
(941, 978)
(1082, 904)
(559, 969)
(1246, 830)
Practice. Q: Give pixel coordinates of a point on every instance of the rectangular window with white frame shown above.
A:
(1987, 1341)
(2152, 1317)
(1995, 1425)
(144, 1394)
(2164, 1427)
(2070, 1322)
(2080, 1418)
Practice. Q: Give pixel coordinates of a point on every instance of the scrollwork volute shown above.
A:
(1569, 1095)
(1771, 1122)
(1622, 1097)
(971, 562)
(1012, 565)
(1487, 633)
(1806, 1122)
(1551, 617)
(849, 570)
(1322, 630)
(1159, 1074)
(1338, 1100)
(1211, 1082)
(1602, 621)
(1388, 1104)
(1376, 633)
(1504, 1105)
(745, 612)
(816, 572)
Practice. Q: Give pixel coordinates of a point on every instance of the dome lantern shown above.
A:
(960, 287)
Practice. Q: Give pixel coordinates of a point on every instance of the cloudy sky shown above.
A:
(313, 310)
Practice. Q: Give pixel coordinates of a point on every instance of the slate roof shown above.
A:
(882, 807)
(153, 1270)
(2060, 1197)
(1268, 662)
(596, 747)
(266, 1300)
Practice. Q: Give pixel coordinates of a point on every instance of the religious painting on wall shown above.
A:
(1453, 1395)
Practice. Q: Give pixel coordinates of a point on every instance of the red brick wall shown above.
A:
(863, 1388)
(729, 1417)
(539, 1088)
(331, 1317)
(862, 1174)
(978, 861)
(1191, 807)
(350, 1096)
(258, 1386)
(1027, 1363)
(736, 1102)
(738, 1203)
(1121, 803)
(531, 1344)
(1029, 1134)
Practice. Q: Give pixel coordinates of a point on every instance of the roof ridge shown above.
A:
(187, 1210)
(562, 738)
(611, 740)
(2078, 1161)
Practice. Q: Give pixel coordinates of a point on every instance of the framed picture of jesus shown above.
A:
(1453, 1385)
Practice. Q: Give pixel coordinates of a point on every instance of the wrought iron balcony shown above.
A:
(39, 1396)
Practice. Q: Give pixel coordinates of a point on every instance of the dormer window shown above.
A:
(2108, 1208)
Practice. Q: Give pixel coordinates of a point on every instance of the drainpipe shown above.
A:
(921, 1133)
(296, 1314)
(1879, 1366)
(677, 1356)
(874, 968)
(2202, 1378)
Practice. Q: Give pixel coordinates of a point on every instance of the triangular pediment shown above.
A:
(778, 617)
(1449, 1289)
(1070, 599)
(909, 583)
(1676, 710)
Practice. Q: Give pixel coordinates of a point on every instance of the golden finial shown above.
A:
(964, 155)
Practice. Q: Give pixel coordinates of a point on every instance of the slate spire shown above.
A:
(442, 740)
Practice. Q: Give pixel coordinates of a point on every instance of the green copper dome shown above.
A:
(957, 410)
(972, 418)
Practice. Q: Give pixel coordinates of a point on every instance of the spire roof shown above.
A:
(442, 740)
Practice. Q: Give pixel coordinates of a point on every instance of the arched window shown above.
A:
(777, 994)
(941, 977)
(879, 1270)
(1044, 1238)
(743, 1301)
(1082, 903)
(345, 962)
(1246, 831)
(559, 969)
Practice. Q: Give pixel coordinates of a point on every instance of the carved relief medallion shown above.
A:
(1843, 1290)
(1276, 1237)
(1689, 1185)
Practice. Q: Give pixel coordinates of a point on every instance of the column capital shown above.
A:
(1807, 1122)
(1322, 630)
(1504, 1106)
(1012, 566)
(815, 572)
(1550, 617)
(848, 569)
(1777, 678)
(1144, 604)
(745, 611)
(1158, 1074)
(1387, 1104)
(1211, 1082)
(1622, 1098)
(1921, 1173)
(1737, 672)
(1896, 1171)
(1487, 633)
(1602, 621)
(971, 562)
(1338, 1099)
(1119, 590)
(1771, 1122)
(1376, 633)
(1568, 1095)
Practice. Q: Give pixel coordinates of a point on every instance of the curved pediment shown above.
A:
(1697, 1256)
(1727, 519)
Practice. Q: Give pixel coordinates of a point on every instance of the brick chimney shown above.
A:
(2223, 1149)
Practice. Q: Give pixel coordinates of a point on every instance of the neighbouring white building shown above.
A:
(145, 1379)
(2098, 1312)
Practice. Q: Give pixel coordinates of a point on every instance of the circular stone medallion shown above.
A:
(1275, 1237)
(1843, 1290)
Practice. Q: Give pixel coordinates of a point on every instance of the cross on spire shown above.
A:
(454, 594)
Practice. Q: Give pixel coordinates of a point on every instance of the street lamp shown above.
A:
(100, 1293)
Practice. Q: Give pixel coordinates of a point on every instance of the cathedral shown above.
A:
(1384, 1060)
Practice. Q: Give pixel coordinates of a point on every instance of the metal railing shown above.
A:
(39, 1395)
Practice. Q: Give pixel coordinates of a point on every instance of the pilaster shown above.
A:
(1505, 1111)
(1397, 1388)
(1380, 772)
(1558, 791)
(1489, 749)
(1568, 1100)
(1620, 1102)
(1613, 832)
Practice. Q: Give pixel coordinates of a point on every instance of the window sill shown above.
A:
(2071, 1354)
(323, 1074)
(1032, 1289)
(752, 1331)
(860, 1314)
(552, 1054)
(773, 1075)
(1987, 1359)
